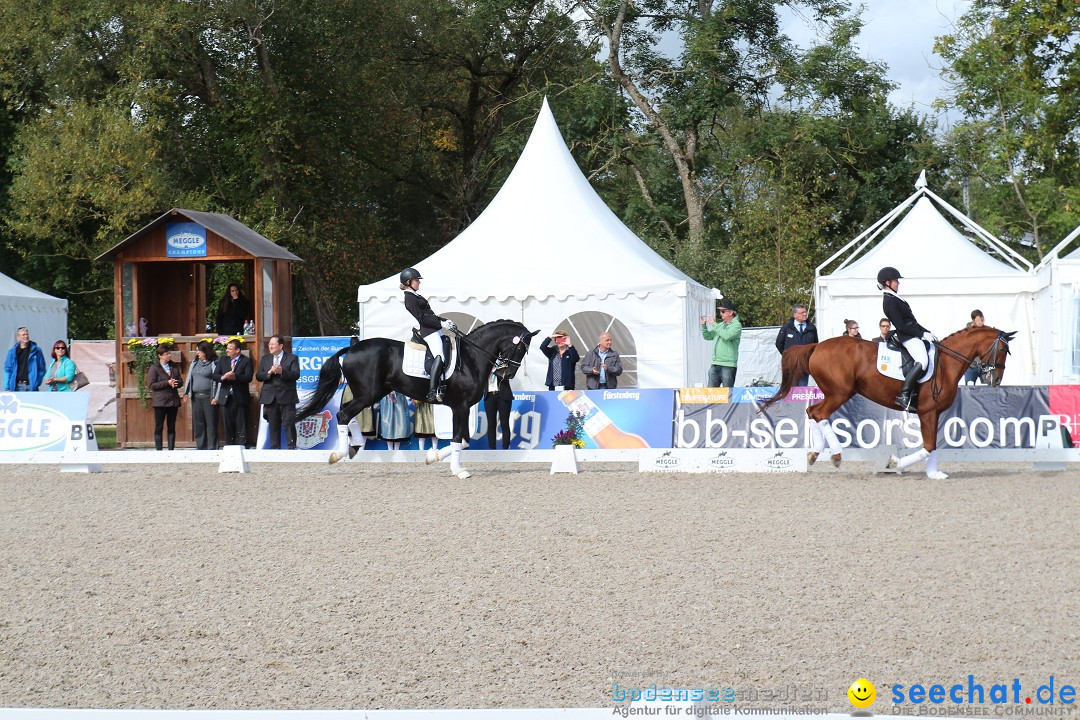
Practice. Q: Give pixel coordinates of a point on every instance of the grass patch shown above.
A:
(106, 436)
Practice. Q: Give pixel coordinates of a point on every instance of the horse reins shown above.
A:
(980, 365)
(499, 360)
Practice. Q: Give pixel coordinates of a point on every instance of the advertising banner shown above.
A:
(1002, 417)
(722, 461)
(318, 432)
(185, 239)
(630, 418)
(1065, 403)
(32, 421)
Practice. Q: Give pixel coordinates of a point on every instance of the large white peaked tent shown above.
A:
(947, 274)
(1058, 307)
(549, 253)
(21, 306)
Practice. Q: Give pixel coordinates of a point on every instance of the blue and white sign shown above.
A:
(185, 239)
(32, 421)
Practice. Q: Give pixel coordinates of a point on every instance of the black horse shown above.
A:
(372, 369)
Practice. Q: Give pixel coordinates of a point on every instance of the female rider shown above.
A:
(431, 327)
(910, 333)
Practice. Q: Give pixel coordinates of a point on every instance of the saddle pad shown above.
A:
(412, 362)
(889, 363)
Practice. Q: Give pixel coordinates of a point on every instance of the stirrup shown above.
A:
(907, 404)
(433, 397)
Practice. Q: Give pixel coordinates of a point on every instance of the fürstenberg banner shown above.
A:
(982, 417)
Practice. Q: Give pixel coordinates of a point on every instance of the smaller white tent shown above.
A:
(1058, 306)
(946, 276)
(21, 306)
(549, 253)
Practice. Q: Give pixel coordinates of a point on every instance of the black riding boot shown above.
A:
(157, 441)
(172, 441)
(436, 377)
(909, 393)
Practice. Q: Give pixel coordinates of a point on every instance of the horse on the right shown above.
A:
(846, 366)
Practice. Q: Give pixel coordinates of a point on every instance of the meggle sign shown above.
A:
(185, 239)
(39, 420)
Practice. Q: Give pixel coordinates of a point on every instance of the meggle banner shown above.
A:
(40, 420)
(1002, 417)
(614, 419)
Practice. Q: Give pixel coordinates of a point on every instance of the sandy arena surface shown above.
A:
(373, 586)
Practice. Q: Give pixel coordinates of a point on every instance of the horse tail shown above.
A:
(794, 363)
(329, 379)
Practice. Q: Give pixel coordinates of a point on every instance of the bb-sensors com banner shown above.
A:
(982, 417)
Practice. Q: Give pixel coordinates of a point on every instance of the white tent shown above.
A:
(44, 315)
(549, 253)
(946, 276)
(1058, 307)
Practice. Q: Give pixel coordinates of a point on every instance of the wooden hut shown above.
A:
(160, 281)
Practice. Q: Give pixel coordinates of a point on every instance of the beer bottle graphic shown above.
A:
(598, 426)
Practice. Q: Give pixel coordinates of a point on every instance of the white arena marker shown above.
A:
(1048, 439)
(81, 439)
(232, 459)
(565, 460)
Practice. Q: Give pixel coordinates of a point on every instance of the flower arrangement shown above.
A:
(145, 352)
(571, 435)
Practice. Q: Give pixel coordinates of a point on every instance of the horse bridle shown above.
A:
(501, 361)
(981, 366)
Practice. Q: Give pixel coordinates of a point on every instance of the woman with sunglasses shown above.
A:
(61, 373)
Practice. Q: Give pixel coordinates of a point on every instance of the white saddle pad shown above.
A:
(412, 363)
(889, 362)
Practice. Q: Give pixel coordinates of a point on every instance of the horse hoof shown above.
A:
(464, 475)
(893, 462)
(836, 460)
(431, 457)
(937, 475)
(335, 456)
(811, 458)
(353, 449)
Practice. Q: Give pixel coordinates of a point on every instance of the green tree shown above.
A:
(1016, 73)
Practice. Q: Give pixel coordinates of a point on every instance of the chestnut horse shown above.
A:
(846, 366)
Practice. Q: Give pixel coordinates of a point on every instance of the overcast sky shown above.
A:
(901, 33)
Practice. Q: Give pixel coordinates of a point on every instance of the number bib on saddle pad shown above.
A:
(890, 362)
(417, 358)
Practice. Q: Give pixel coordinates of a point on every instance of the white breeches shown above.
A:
(434, 341)
(917, 348)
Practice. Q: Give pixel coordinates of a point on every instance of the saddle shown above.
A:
(895, 361)
(418, 359)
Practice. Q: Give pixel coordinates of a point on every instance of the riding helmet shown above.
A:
(409, 274)
(884, 275)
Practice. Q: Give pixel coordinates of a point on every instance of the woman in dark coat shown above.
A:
(233, 311)
(163, 379)
(562, 360)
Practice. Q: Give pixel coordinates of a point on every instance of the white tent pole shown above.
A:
(1060, 247)
(1006, 252)
(873, 231)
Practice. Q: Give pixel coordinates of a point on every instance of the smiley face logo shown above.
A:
(862, 693)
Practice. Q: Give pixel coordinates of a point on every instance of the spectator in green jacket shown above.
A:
(726, 333)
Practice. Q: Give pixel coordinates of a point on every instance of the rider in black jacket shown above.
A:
(431, 327)
(910, 333)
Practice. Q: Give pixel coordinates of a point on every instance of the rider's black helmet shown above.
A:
(886, 274)
(408, 275)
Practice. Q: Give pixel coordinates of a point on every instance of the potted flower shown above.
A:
(144, 354)
(567, 442)
(571, 434)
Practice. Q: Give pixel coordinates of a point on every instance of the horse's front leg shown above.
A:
(928, 425)
(453, 450)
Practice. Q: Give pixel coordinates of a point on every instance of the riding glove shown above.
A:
(929, 337)
(449, 326)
